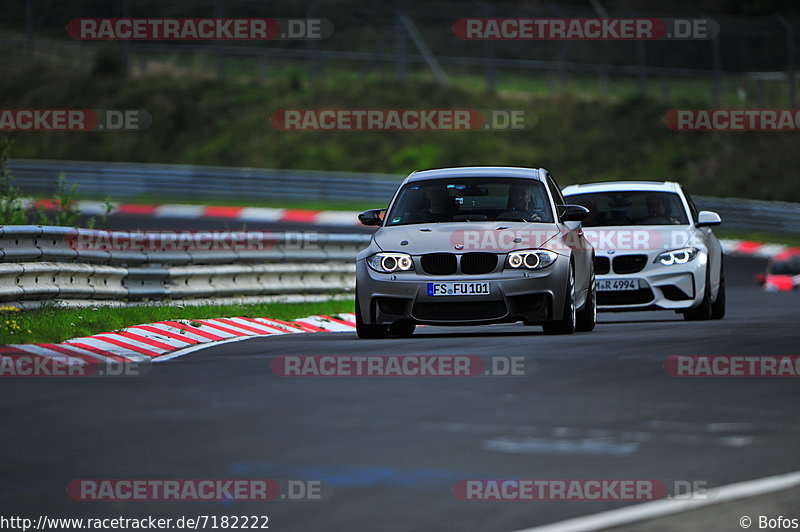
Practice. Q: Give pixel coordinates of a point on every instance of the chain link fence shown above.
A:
(750, 63)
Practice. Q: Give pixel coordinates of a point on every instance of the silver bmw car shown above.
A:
(473, 246)
(654, 249)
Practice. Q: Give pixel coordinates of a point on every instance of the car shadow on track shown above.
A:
(474, 334)
(677, 319)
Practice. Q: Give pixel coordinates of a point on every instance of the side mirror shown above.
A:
(371, 217)
(706, 218)
(760, 278)
(573, 213)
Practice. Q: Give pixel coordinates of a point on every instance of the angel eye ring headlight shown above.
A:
(530, 259)
(391, 262)
(677, 256)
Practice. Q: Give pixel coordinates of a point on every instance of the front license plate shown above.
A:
(605, 285)
(458, 289)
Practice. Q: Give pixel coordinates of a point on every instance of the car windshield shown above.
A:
(631, 208)
(790, 266)
(471, 200)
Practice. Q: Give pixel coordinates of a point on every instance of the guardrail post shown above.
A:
(790, 68)
(716, 84)
(219, 12)
(641, 67)
(665, 90)
(603, 84)
(314, 65)
(29, 21)
(400, 60)
(488, 53)
(126, 45)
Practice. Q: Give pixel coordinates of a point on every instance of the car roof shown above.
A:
(622, 186)
(476, 171)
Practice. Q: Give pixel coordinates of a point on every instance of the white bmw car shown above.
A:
(654, 250)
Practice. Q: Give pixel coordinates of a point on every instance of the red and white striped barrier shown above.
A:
(193, 212)
(752, 249)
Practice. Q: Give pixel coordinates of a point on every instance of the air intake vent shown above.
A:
(625, 297)
(478, 263)
(602, 265)
(459, 311)
(439, 263)
(629, 263)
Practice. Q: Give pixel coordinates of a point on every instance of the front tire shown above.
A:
(402, 328)
(368, 331)
(587, 316)
(566, 325)
(718, 308)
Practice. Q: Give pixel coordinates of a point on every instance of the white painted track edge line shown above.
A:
(654, 509)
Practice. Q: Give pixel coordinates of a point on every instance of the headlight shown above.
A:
(677, 256)
(391, 262)
(531, 259)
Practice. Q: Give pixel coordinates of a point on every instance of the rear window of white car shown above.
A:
(631, 208)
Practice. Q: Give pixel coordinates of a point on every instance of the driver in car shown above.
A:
(519, 204)
(658, 209)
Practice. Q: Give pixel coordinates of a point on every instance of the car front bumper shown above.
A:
(532, 296)
(677, 287)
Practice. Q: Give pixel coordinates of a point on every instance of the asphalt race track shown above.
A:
(591, 405)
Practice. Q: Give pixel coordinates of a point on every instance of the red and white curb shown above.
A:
(165, 340)
(194, 212)
(272, 215)
(752, 249)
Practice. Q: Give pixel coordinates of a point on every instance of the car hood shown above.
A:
(493, 237)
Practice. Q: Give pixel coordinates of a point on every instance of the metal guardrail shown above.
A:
(126, 180)
(754, 215)
(44, 262)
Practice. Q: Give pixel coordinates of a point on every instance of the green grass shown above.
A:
(56, 325)
(578, 136)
